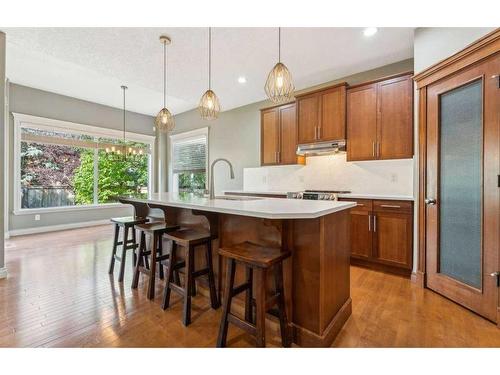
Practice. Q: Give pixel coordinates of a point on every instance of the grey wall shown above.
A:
(35, 102)
(235, 135)
(431, 45)
(2, 150)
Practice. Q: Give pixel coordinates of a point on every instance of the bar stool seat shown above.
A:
(129, 220)
(155, 230)
(259, 260)
(189, 239)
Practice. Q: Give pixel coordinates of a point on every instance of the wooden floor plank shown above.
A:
(58, 294)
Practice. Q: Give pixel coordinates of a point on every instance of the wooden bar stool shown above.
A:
(127, 223)
(190, 239)
(155, 232)
(256, 259)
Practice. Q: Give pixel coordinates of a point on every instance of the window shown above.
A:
(188, 161)
(61, 165)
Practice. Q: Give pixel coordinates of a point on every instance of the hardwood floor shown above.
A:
(58, 294)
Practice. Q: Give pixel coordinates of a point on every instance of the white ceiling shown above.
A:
(92, 63)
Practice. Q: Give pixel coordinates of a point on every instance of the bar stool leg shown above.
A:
(160, 252)
(140, 260)
(124, 254)
(152, 276)
(214, 301)
(249, 295)
(170, 276)
(135, 250)
(278, 280)
(193, 280)
(260, 307)
(113, 253)
(188, 288)
(226, 309)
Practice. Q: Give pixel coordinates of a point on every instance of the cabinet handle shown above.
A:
(390, 205)
(279, 156)
(275, 156)
(316, 133)
(374, 223)
(369, 223)
(319, 132)
(360, 204)
(378, 149)
(373, 148)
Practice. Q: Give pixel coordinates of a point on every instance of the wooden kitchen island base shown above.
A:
(316, 276)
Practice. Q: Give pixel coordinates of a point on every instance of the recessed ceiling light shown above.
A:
(242, 79)
(370, 31)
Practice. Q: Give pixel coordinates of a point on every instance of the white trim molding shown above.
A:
(3, 272)
(23, 120)
(56, 228)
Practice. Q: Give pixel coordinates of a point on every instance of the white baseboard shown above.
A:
(3, 273)
(54, 228)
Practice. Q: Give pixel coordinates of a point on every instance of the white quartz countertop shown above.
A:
(266, 208)
(377, 196)
(271, 192)
(348, 195)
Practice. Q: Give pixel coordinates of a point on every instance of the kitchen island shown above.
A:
(316, 276)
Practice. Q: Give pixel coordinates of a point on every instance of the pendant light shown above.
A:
(164, 121)
(209, 106)
(279, 85)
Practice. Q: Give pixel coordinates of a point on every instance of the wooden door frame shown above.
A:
(474, 53)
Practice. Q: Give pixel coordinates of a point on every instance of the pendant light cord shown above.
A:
(164, 74)
(124, 88)
(209, 58)
(279, 44)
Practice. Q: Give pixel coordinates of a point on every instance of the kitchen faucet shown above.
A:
(211, 189)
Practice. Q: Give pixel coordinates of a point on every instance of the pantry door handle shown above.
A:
(373, 148)
(369, 223)
(374, 223)
(390, 206)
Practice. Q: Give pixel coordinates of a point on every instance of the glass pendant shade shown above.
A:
(279, 85)
(209, 106)
(164, 121)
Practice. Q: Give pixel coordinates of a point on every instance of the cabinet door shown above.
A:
(288, 135)
(362, 123)
(393, 238)
(395, 119)
(333, 108)
(269, 136)
(361, 234)
(308, 118)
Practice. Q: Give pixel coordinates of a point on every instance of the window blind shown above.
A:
(190, 155)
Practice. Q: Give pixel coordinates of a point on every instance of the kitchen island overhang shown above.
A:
(317, 285)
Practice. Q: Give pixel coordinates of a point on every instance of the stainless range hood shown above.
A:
(321, 148)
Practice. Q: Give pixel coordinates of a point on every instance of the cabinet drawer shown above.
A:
(393, 206)
(362, 204)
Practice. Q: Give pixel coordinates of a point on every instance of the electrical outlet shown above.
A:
(37, 217)
(394, 178)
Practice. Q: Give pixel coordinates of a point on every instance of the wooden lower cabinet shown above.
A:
(382, 235)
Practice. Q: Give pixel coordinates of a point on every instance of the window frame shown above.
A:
(182, 137)
(28, 121)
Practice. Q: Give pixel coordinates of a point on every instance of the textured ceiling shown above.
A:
(92, 63)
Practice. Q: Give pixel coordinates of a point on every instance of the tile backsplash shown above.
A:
(333, 172)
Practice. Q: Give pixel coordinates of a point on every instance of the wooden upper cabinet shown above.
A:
(288, 135)
(380, 120)
(279, 136)
(308, 118)
(270, 136)
(321, 115)
(333, 109)
(395, 122)
(362, 123)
